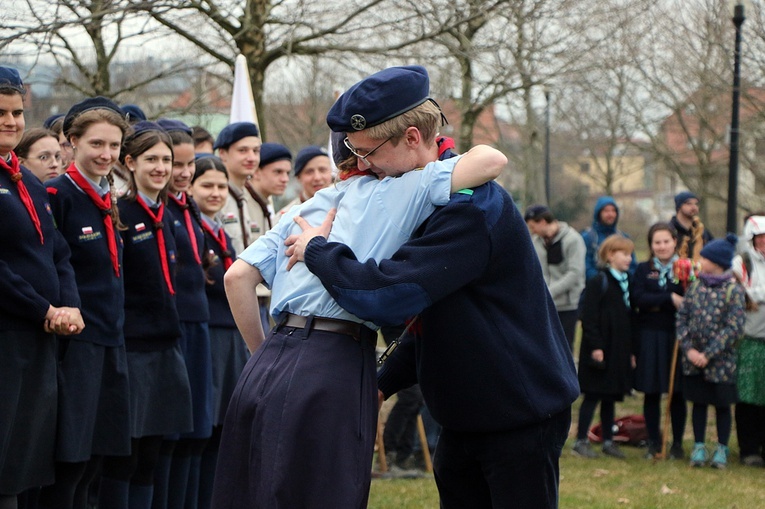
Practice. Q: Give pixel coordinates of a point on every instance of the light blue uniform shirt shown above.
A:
(374, 218)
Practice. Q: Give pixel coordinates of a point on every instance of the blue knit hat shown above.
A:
(235, 132)
(721, 251)
(272, 152)
(305, 155)
(9, 78)
(683, 197)
(379, 97)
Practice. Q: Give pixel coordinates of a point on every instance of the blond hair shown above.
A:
(426, 118)
(612, 244)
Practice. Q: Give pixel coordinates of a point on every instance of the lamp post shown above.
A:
(731, 223)
(547, 146)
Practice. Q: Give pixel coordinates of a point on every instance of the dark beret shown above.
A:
(272, 152)
(235, 132)
(305, 155)
(170, 125)
(133, 113)
(9, 78)
(379, 97)
(51, 120)
(340, 152)
(144, 126)
(91, 103)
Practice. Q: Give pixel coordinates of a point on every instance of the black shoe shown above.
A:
(676, 451)
(611, 449)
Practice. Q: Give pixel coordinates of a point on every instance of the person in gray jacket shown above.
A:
(561, 252)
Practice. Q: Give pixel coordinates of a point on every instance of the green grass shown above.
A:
(634, 483)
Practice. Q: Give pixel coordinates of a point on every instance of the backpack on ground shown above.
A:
(629, 430)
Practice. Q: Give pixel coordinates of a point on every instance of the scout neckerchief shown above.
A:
(14, 170)
(104, 204)
(261, 202)
(156, 219)
(240, 204)
(665, 270)
(182, 202)
(624, 283)
(220, 239)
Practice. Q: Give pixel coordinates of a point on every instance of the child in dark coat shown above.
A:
(606, 358)
(709, 323)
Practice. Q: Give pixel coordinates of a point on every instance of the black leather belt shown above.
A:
(357, 331)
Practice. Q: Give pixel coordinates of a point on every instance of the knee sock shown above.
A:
(140, 496)
(652, 413)
(28, 499)
(699, 421)
(113, 494)
(60, 495)
(195, 460)
(586, 412)
(207, 468)
(607, 413)
(678, 411)
(179, 476)
(724, 423)
(162, 474)
(82, 492)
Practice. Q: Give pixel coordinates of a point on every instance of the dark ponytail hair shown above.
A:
(136, 144)
(207, 163)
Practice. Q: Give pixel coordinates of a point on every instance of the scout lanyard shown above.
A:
(158, 227)
(14, 170)
(220, 239)
(183, 203)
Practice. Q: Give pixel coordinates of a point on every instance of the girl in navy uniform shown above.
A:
(229, 351)
(656, 296)
(40, 153)
(38, 296)
(160, 397)
(93, 408)
(177, 482)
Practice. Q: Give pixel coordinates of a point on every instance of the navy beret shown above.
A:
(305, 155)
(91, 103)
(379, 97)
(51, 120)
(9, 78)
(340, 152)
(235, 132)
(272, 152)
(170, 125)
(144, 126)
(683, 197)
(133, 113)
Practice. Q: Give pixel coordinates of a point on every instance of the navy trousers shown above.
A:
(300, 427)
(516, 468)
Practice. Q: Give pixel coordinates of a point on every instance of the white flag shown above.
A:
(242, 100)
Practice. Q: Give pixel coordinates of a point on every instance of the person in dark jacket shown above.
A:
(606, 357)
(492, 360)
(656, 296)
(605, 219)
(38, 297)
(689, 228)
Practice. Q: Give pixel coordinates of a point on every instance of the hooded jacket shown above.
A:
(597, 233)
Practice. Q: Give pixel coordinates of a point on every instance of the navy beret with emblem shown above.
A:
(133, 113)
(305, 155)
(272, 152)
(235, 132)
(379, 97)
(9, 78)
(171, 125)
(91, 103)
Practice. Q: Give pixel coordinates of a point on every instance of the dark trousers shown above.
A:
(516, 468)
(750, 429)
(568, 320)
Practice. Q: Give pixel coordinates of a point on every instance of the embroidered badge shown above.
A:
(140, 227)
(87, 230)
(137, 239)
(358, 122)
(4, 191)
(171, 255)
(254, 227)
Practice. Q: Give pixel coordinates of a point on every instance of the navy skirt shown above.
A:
(93, 401)
(229, 355)
(654, 359)
(28, 397)
(301, 424)
(160, 396)
(195, 344)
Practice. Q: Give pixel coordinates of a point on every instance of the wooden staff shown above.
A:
(665, 430)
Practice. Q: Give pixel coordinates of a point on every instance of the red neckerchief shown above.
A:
(14, 170)
(104, 205)
(157, 223)
(184, 205)
(220, 239)
(444, 144)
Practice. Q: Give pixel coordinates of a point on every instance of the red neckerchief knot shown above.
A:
(156, 219)
(14, 170)
(104, 204)
(183, 203)
(220, 239)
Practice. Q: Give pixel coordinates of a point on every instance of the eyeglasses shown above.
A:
(364, 156)
(48, 158)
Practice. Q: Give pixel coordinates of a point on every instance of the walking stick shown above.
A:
(665, 430)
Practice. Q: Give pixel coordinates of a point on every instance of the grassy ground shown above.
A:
(606, 482)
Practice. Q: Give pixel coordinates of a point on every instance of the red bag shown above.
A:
(629, 430)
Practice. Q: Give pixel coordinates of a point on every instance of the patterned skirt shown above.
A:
(751, 371)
